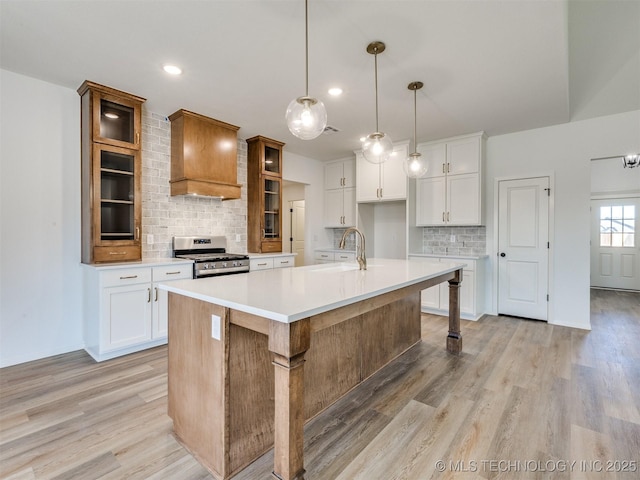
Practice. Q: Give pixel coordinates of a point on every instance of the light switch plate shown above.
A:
(215, 327)
(149, 239)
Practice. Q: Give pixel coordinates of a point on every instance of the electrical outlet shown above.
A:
(215, 327)
(237, 237)
(453, 239)
(149, 239)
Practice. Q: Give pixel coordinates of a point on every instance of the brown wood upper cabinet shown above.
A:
(204, 155)
(111, 170)
(264, 183)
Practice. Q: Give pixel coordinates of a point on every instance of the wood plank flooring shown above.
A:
(524, 400)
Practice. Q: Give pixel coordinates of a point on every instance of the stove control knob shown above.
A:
(234, 264)
(205, 266)
(224, 265)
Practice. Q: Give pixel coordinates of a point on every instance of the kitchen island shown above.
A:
(252, 357)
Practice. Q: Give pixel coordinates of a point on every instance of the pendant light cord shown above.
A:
(375, 57)
(415, 121)
(306, 47)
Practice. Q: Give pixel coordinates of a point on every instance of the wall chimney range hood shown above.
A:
(203, 156)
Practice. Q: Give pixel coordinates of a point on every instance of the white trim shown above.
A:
(494, 248)
(614, 196)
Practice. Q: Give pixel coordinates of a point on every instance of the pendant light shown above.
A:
(414, 165)
(377, 146)
(306, 116)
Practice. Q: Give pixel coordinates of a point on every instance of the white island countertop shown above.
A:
(290, 294)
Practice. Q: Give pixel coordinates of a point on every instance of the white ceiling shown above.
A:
(497, 66)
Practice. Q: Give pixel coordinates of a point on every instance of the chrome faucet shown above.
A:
(360, 255)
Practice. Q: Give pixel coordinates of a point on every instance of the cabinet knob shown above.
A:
(503, 254)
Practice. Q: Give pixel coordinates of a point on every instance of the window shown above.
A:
(617, 226)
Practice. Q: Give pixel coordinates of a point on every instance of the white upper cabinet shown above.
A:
(453, 157)
(383, 182)
(339, 174)
(339, 194)
(451, 191)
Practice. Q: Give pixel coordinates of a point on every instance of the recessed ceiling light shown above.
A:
(111, 115)
(172, 69)
(335, 91)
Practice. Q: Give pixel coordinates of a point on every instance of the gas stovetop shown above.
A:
(209, 256)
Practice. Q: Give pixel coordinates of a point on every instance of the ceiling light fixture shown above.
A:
(414, 165)
(335, 91)
(377, 146)
(306, 116)
(631, 161)
(628, 161)
(172, 69)
(111, 115)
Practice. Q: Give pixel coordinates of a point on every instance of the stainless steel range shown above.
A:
(209, 256)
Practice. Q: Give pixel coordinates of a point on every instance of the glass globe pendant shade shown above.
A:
(306, 117)
(377, 148)
(415, 166)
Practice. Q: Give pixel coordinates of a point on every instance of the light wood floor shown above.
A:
(524, 395)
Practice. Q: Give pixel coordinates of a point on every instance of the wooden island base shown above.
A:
(233, 399)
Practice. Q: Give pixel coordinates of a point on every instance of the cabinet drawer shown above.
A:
(172, 272)
(325, 256)
(125, 276)
(116, 254)
(345, 257)
(283, 262)
(260, 264)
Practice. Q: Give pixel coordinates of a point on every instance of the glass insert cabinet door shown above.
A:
(272, 162)
(272, 191)
(116, 194)
(116, 121)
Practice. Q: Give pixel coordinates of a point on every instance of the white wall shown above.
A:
(40, 276)
(565, 151)
(297, 168)
(609, 176)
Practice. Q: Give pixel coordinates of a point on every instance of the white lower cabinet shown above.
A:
(436, 299)
(331, 256)
(124, 310)
(268, 262)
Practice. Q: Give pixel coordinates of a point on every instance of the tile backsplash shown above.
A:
(350, 242)
(164, 216)
(454, 240)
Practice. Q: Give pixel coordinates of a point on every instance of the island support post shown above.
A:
(454, 338)
(288, 342)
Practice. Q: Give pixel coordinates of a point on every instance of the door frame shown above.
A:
(493, 254)
(606, 196)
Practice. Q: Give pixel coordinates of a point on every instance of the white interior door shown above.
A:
(297, 231)
(523, 235)
(615, 253)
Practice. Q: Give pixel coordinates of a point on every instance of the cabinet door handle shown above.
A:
(117, 253)
(448, 167)
(155, 294)
(284, 263)
(448, 216)
(262, 264)
(443, 168)
(172, 273)
(148, 295)
(128, 277)
(381, 193)
(324, 256)
(137, 233)
(443, 217)
(137, 138)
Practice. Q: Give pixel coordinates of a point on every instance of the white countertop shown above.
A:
(149, 262)
(271, 255)
(451, 256)
(290, 294)
(334, 250)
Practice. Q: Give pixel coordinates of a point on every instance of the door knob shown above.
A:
(503, 254)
